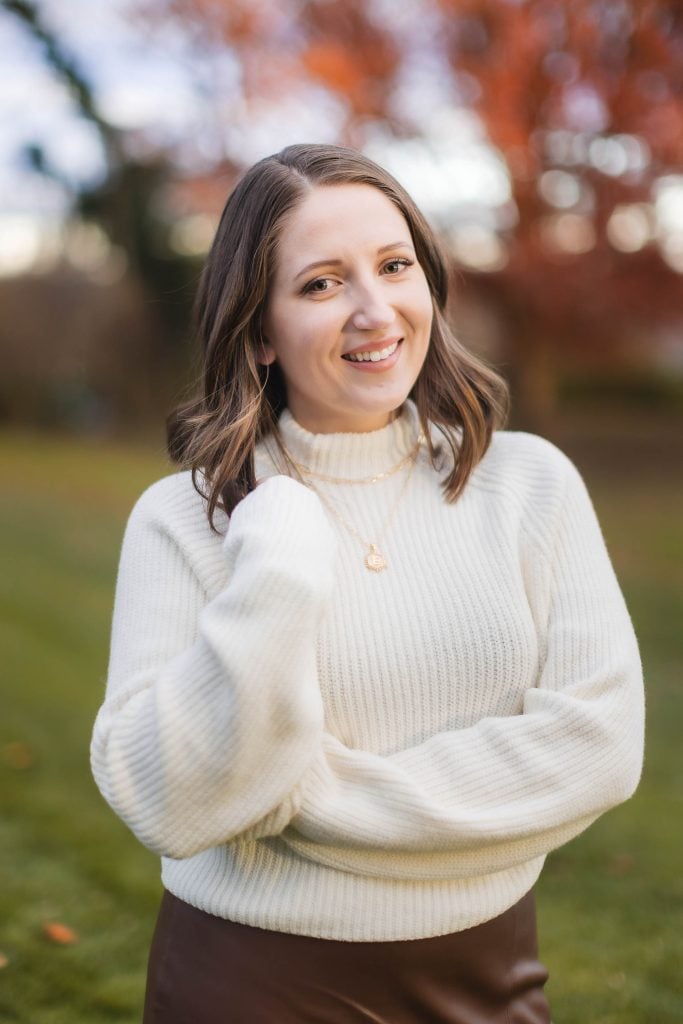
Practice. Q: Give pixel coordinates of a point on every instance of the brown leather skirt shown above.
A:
(205, 970)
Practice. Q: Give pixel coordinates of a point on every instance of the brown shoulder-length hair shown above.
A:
(215, 433)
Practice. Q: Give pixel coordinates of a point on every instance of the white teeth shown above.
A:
(373, 357)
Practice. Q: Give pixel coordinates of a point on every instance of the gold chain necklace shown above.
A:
(362, 480)
(374, 560)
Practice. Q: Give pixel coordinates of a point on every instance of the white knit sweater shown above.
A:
(318, 749)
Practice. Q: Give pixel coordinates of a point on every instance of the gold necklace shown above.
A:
(362, 480)
(374, 560)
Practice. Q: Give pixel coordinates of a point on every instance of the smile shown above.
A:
(373, 357)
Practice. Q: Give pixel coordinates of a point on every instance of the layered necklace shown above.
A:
(374, 560)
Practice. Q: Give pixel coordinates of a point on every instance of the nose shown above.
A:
(372, 311)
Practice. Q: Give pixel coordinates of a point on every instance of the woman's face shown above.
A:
(349, 312)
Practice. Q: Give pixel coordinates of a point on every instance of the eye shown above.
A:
(394, 267)
(321, 284)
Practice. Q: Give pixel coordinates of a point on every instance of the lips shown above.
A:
(374, 352)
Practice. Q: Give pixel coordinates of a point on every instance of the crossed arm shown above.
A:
(212, 726)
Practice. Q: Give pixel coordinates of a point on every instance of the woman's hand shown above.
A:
(213, 709)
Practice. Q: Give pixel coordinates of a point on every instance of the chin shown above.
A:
(379, 414)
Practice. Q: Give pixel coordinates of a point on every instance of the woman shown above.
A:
(375, 665)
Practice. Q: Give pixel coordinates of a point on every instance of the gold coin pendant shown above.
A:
(374, 561)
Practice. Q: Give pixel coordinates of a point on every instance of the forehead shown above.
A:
(335, 219)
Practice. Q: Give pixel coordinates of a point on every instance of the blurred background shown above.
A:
(544, 140)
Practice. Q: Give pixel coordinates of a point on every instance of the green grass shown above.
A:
(63, 855)
(610, 903)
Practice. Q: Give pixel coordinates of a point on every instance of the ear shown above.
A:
(265, 353)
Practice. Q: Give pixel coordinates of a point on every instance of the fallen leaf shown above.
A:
(60, 934)
(18, 755)
(4, 960)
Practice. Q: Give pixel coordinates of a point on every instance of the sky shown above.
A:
(141, 80)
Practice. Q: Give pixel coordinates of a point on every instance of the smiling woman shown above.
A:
(291, 218)
(349, 332)
(374, 665)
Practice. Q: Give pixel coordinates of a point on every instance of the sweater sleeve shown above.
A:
(507, 789)
(212, 710)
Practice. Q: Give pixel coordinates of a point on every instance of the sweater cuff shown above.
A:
(282, 511)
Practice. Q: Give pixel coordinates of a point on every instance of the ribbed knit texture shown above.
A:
(318, 749)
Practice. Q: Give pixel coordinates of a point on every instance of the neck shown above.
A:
(348, 454)
(356, 424)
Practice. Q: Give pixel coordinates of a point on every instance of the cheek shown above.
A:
(284, 339)
(304, 337)
(318, 328)
(422, 307)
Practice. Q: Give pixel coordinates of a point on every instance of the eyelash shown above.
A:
(399, 259)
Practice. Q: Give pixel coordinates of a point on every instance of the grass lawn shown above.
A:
(610, 903)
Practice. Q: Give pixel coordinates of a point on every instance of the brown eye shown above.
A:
(319, 285)
(398, 265)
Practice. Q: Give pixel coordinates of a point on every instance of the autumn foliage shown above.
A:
(581, 102)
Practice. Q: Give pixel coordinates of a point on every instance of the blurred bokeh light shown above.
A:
(543, 140)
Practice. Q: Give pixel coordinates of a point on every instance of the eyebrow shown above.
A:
(336, 263)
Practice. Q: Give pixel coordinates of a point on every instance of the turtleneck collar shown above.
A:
(351, 454)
